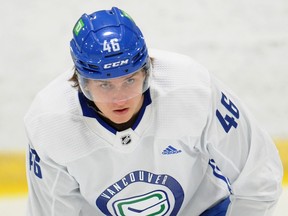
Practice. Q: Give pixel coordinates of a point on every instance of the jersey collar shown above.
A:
(89, 110)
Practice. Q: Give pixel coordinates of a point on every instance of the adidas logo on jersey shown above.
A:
(170, 150)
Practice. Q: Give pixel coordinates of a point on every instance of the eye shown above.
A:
(105, 85)
(130, 81)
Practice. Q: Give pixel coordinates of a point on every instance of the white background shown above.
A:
(245, 43)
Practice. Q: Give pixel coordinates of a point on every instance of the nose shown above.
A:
(120, 97)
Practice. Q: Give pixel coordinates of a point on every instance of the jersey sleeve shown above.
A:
(245, 154)
(52, 191)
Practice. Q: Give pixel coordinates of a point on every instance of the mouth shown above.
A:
(121, 111)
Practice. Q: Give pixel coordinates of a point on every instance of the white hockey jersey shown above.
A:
(192, 145)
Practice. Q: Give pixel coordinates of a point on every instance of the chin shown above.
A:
(120, 120)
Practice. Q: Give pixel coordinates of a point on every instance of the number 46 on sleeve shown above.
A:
(34, 162)
(228, 121)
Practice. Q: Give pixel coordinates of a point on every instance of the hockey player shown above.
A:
(143, 133)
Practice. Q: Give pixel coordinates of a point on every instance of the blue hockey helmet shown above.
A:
(107, 44)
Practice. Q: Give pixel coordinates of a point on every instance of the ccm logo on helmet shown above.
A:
(116, 64)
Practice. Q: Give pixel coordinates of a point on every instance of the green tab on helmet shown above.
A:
(126, 15)
(79, 25)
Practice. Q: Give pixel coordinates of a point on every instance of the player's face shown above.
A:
(118, 99)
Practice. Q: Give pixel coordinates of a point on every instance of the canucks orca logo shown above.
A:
(155, 202)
